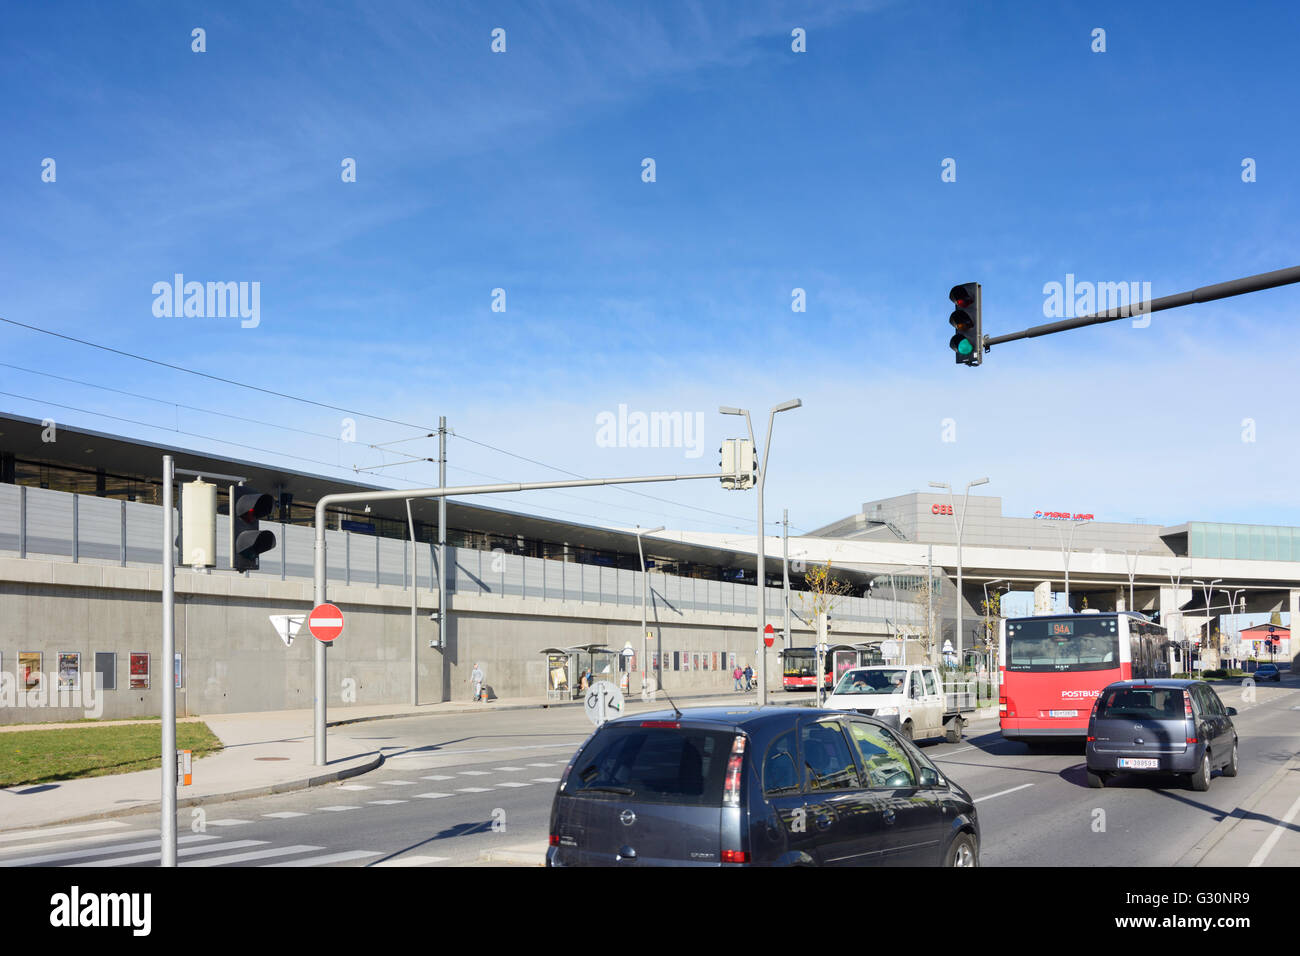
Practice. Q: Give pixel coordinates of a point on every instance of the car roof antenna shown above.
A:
(677, 711)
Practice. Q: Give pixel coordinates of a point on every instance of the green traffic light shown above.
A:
(965, 347)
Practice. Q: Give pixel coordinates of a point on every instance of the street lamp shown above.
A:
(645, 657)
(960, 523)
(1065, 554)
(761, 598)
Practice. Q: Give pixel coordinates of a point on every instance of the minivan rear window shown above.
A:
(1137, 703)
(680, 766)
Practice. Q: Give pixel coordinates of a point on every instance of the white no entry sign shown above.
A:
(325, 622)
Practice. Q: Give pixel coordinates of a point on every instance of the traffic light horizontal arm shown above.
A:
(1221, 290)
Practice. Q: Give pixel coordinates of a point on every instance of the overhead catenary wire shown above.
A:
(427, 429)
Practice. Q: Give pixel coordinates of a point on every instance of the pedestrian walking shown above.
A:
(737, 674)
(749, 677)
(476, 678)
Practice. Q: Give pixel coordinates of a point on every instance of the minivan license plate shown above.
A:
(1062, 713)
(1138, 763)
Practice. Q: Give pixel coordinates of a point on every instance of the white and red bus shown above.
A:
(799, 664)
(1052, 668)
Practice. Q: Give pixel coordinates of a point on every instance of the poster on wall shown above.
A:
(29, 669)
(139, 670)
(69, 671)
(677, 660)
(557, 672)
(731, 661)
(177, 670)
(686, 661)
(715, 660)
(695, 661)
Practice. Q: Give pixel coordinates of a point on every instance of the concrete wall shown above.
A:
(234, 662)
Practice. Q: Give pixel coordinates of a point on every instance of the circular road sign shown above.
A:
(603, 701)
(769, 635)
(325, 622)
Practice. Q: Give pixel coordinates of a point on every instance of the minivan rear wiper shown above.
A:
(624, 791)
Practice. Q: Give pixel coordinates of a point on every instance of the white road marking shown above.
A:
(474, 773)
(328, 858)
(188, 851)
(514, 784)
(1262, 853)
(227, 823)
(55, 831)
(473, 789)
(951, 752)
(438, 777)
(398, 783)
(432, 796)
(252, 855)
(385, 803)
(284, 815)
(355, 786)
(341, 807)
(551, 764)
(509, 768)
(1002, 793)
(98, 851)
(546, 779)
(78, 841)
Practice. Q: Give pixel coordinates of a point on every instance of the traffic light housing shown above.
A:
(738, 464)
(968, 342)
(248, 507)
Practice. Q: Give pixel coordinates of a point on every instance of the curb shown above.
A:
(1197, 854)
(154, 806)
(514, 857)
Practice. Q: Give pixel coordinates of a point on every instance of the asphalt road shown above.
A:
(456, 789)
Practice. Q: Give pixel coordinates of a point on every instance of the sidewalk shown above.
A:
(1264, 831)
(267, 752)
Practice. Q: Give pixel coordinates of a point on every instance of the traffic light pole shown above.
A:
(1208, 293)
(319, 592)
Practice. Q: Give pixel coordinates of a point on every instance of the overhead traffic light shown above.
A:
(738, 464)
(247, 541)
(968, 342)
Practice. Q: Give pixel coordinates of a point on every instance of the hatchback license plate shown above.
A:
(1062, 713)
(1139, 763)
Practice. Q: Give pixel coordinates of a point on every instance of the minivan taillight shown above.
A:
(735, 856)
(555, 839)
(1187, 704)
(731, 784)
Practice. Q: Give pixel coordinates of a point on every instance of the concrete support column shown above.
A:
(1043, 598)
(1121, 599)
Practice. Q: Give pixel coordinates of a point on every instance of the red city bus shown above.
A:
(798, 664)
(1053, 667)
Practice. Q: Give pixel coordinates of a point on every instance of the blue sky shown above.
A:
(775, 170)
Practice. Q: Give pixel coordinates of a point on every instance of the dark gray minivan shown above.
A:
(765, 786)
(1161, 726)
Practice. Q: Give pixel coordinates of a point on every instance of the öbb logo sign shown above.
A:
(940, 509)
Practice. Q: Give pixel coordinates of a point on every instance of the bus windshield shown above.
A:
(1085, 643)
(799, 662)
(872, 682)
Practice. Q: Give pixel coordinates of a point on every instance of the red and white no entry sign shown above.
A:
(325, 622)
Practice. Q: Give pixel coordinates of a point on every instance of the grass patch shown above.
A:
(41, 756)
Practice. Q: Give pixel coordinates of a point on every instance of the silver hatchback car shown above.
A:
(1161, 726)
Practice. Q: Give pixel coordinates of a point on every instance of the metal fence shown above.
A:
(39, 523)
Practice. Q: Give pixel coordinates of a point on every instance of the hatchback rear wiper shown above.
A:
(625, 791)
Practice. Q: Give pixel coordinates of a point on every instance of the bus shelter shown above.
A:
(570, 670)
